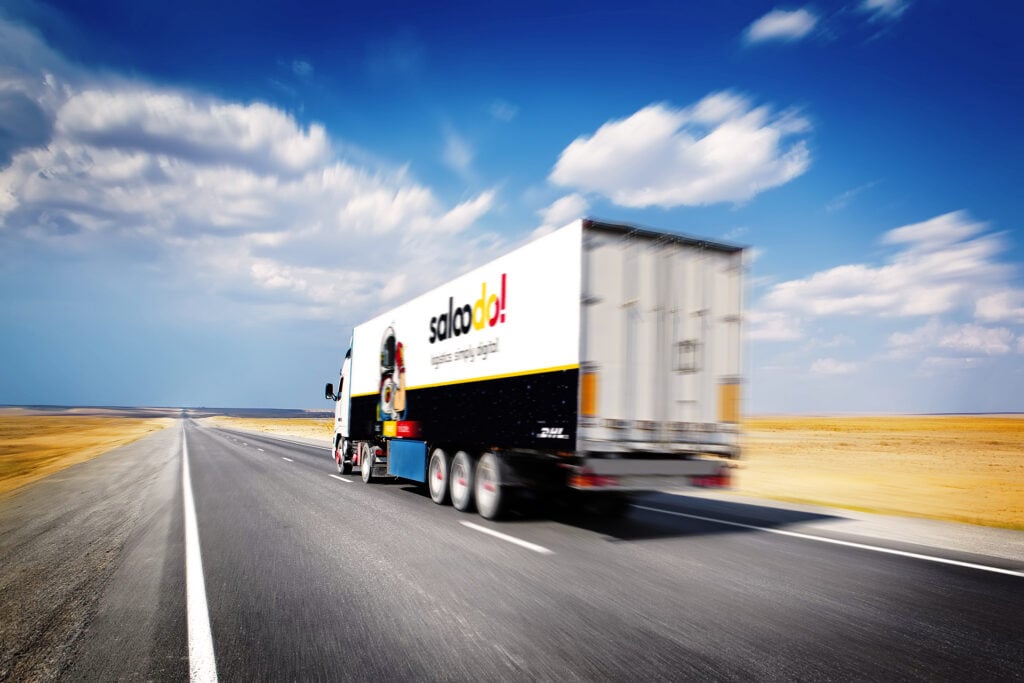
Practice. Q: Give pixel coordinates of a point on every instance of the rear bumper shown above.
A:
(648, 475)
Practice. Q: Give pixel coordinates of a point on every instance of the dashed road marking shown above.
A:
(335, 476)
(511, 539)
(288, 459)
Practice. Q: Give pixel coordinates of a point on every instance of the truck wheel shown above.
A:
(438, 473)
(460, 482)
(490, 495)
(366, 462)
(343, 458)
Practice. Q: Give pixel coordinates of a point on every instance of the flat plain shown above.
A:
(956, 468)
(34, 446)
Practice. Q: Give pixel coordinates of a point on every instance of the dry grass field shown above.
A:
(313, 428)
(36, 446)
(966, 469)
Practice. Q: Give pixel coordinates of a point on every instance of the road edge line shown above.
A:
(836, 541)
(202, 664)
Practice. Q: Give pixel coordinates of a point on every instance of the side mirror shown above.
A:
(329, 392)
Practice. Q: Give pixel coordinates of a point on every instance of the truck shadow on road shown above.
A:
(663, 515)
(655, 516)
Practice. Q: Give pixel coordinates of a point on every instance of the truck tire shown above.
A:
(460, 482)
(491, 496)
(366, 462)
(438, 473)
(342, 457)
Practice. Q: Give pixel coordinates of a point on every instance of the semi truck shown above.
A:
(595, 362)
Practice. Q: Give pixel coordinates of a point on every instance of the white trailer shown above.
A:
(601, 358)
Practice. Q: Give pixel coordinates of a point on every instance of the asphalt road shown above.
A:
(309, 577)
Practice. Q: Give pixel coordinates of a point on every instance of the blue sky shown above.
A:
(197, 203)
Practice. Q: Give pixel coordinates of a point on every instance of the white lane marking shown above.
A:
(335, 476)
(261, 450)
(849, 544)
(511, 539)
(288, 459)
(201, 663)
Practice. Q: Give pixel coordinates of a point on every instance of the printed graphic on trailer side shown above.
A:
(487, 311)
(467, 354)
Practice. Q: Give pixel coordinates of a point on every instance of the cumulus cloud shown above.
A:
(254, 136)
(942, 264)
(781, 25)
(722, 149)
(239, 197)
(560, 212)
(831, 366)
(1004, 305)
(772, 326)
(968, 339)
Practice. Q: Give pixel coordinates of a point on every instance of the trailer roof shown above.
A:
(636, 231)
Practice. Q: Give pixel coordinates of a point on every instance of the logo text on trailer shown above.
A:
(487, 311)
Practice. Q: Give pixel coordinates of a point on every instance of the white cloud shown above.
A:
(781, 25)
(771, 326)
(964, 339)
(226, 197)
(935, 233)
(938, 269)
(1005, 305)
(559, 213)
(1020, 344)
(884, 9)
(831, 366)
(183, 127)
(973, 338)
(843, 200)
(722, 149)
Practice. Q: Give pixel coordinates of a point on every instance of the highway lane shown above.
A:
(311, 577)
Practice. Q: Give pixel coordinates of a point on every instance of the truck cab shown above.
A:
(341, 450)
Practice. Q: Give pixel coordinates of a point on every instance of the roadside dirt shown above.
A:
(313, 428)
(36, 446)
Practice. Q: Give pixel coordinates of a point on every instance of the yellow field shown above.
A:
(967, 469)
(314, 428)
(36, 446)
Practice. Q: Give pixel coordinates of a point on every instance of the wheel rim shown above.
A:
(436, 477)
(460, 481)
(486, 486)
(365, 463)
